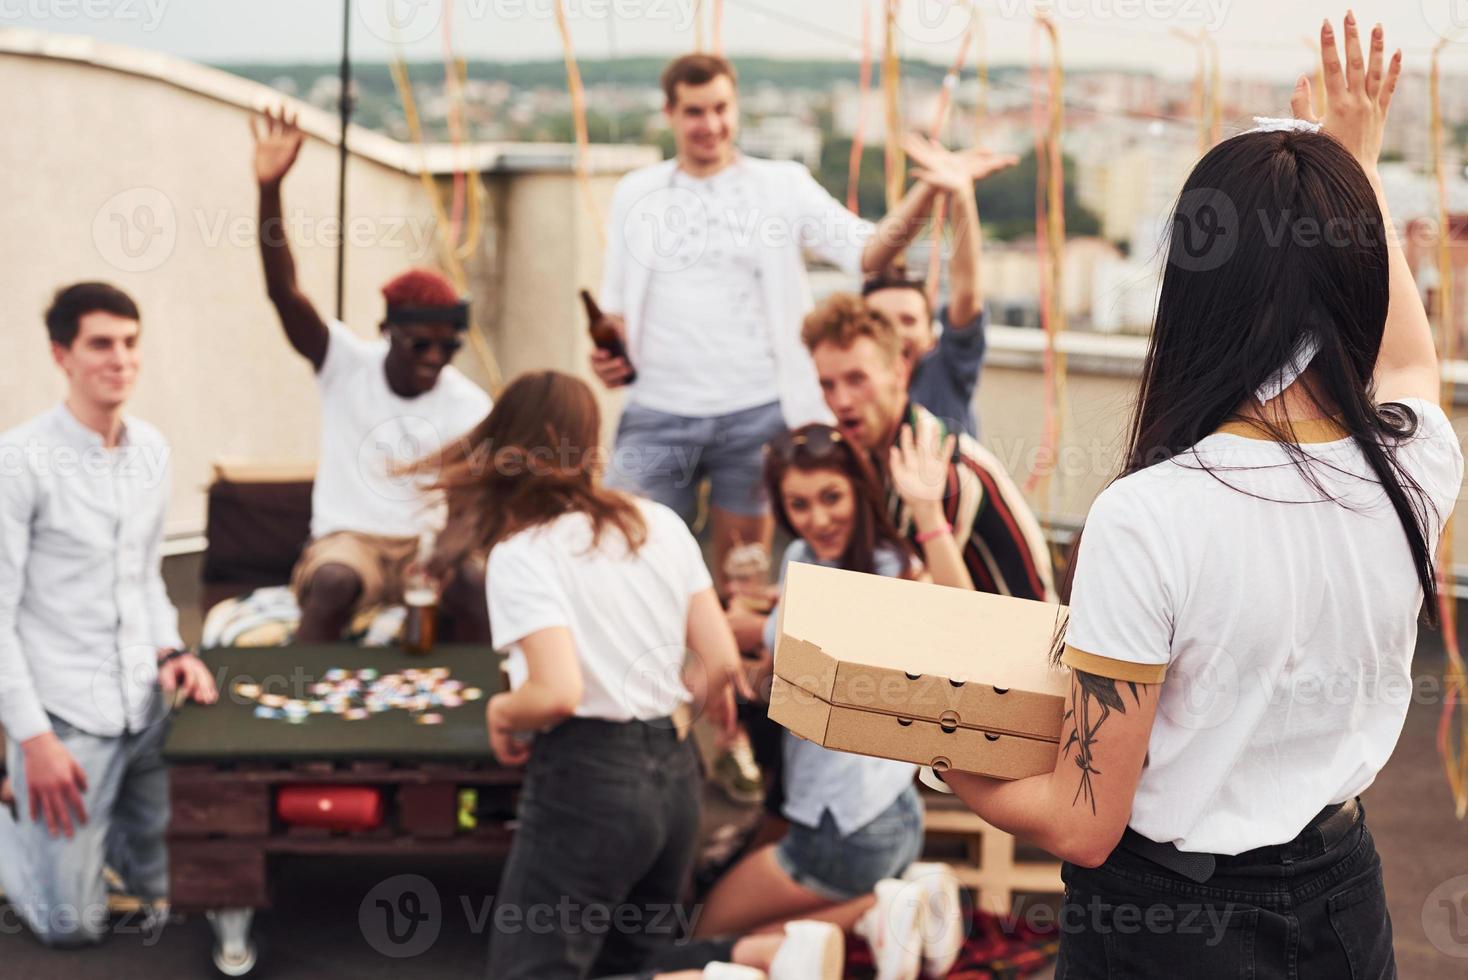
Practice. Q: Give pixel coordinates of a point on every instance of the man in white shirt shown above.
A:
(88, 638)
(384, 404)
(705, 279)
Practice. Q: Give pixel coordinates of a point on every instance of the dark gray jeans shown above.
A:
(1296, 911)
(608, 828)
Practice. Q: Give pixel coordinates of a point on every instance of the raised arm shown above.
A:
(899, 228)
(1358, 97)
(955, 174)
(277, 142)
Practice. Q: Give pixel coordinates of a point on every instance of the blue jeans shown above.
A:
(663, 457)
(841, 868)
(55, 883)
(1301, 910)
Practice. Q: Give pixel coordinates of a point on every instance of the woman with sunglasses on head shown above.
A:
(856, 823)
(598, 596)
(1246, 595)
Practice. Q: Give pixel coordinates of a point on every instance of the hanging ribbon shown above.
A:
(981, 68)
(935, 132)
(1049, 242)
(452, 253)
(578, 116)
(1452, 729)
(895, 160)
(864, 88)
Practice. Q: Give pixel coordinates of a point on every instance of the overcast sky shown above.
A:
(1257, 37)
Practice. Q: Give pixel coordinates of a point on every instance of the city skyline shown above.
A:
(1254, 41)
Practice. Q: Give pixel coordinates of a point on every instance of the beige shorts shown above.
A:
(380, 562)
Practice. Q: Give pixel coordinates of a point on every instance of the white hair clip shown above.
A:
(1305, 350)
(1266, 124)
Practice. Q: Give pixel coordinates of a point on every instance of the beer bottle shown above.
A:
(604, 335)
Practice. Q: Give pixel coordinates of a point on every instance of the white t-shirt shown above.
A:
(367, 430)
(705, 348)
(1282, 629)
(628, 614)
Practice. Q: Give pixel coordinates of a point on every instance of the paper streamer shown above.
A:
(452, 253)
(1452, 729)
(1049, 114)
(864, 88)
(896, 163)
(578, 116)
(935, 131)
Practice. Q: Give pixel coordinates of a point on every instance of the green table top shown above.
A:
(229, 731)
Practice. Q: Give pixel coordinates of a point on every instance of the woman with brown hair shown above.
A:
(856, 823)
(597, 595)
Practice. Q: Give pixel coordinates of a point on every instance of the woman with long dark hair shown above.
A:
(598, 596)
(856, 823)
(1245, 601)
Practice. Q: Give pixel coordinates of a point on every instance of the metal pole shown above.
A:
(345, 102)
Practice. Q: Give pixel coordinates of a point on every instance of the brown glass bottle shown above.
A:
(604, 335)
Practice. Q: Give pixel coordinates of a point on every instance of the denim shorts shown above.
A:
(842, 868)
(664, 457)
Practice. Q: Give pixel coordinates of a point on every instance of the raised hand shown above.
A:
(1357, 96)
(936, 165)
(983, 163)
(919, 464)
(277, 143)
(953, 171)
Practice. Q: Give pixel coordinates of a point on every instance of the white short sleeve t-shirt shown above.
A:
(1280, 624)
(367, 430)
(705, 348)
(627, 613)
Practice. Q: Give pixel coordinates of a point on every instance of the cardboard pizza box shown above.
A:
(918, 672)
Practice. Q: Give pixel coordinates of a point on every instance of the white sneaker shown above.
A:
(811, 951)
(893, 929)
(730, 971)
(943, 925)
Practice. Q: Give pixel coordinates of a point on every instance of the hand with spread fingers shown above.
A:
(919, 465)
(277, 143)
(950, 171)
(1358, 94)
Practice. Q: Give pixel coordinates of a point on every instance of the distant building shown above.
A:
(783, 138)
(1012, 280)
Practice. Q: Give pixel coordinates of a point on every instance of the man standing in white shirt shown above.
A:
(88, 638)
(384, 404)
(705, 279)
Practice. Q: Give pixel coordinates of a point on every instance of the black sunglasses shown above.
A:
(422, 345)
(811, 441)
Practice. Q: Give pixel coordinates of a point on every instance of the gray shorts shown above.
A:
(663, 457)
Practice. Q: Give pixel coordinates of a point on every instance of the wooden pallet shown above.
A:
(991, 869)
(224, 830)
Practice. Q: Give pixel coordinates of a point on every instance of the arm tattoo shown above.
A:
(1093, 699)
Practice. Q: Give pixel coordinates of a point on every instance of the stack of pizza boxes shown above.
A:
(921, 673)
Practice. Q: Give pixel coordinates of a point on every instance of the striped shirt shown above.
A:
(1002, 544)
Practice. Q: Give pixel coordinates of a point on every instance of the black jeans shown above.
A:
(608, 829)
(1301, 910)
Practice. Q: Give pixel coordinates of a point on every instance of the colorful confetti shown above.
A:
(354, 696)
